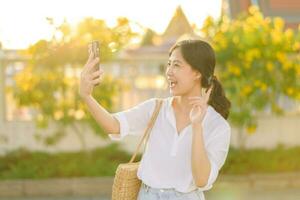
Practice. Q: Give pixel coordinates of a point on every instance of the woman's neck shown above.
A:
(182, 103)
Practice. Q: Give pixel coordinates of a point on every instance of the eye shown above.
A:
(168, 65)
(175, 64)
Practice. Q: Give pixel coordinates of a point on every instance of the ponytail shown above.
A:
(218, 99)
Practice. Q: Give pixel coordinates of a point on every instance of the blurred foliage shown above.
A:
(258, 61)
(148, 38)
(280, 159)
(23, 164)
(49, 83)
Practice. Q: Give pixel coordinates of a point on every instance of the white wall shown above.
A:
(16, 135)
(271, 131)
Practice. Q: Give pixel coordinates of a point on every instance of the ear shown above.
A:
(197, 75)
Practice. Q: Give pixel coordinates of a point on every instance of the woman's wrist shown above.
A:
(85, 98)
(196, 125)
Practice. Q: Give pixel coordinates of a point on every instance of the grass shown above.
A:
(22, 164)
(280, 159)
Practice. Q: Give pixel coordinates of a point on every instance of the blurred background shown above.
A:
(51, 147)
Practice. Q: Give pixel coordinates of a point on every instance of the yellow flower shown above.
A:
(289, 34)
(251, 21)
(297, 67)
(223, 43)
(296, 46)
(259, 17)
(234, 70)
(252, 54)
(246, 90)
(276, 37)
(290, 91)
(281, 57)
(251, 129)
(278, 23)
(256, 52)
(253, 10)
(79, 114)
(209, 21)
(247, 28)
(263, 87)
(247, 65)
(249, 56)
(287, 65)
(224, 27)
(270, 66)
(71, 112)
(58, 115)
(235, 39)
(257, 83)
(298, 96)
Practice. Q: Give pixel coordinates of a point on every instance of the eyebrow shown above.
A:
(175, 61)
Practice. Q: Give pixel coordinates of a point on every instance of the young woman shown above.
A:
(190, 139)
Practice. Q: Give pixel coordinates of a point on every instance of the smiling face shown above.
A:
(182, 78)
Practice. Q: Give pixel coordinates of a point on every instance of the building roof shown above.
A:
(286, 9)
(178, 26)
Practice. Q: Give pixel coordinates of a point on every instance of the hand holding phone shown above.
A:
(95, 45)
(94, 49)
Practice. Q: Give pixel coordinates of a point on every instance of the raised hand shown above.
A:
(200, 104)
(90, 76)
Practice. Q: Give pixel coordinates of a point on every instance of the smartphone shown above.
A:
(95, 48)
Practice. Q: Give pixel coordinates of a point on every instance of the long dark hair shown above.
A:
(201, 57)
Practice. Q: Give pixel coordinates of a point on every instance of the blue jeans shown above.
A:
(149, 193)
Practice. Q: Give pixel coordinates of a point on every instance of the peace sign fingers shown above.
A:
(207, 94)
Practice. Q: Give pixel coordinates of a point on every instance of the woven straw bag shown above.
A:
(126, 184)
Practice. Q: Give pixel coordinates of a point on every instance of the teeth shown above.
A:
(172, 84)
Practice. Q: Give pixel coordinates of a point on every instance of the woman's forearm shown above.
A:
(200, 162)
(100, 114)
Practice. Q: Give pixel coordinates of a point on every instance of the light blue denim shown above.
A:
(149, 193)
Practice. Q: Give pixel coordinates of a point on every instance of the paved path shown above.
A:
(252, 187)
(253, 194)
(214, 194)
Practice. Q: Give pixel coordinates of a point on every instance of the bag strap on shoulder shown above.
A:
(158, 105)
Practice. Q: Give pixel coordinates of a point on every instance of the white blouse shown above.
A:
(166, 162)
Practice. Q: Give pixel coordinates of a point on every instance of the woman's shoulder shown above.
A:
(154, 100)
(149, 104)
(217, 120)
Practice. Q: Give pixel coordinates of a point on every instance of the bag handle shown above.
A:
(149, 128)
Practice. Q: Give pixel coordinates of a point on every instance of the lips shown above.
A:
(172, 83)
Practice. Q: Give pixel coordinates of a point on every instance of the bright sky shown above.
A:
(22, 22)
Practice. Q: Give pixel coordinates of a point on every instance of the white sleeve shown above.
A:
(134, 120)
(217, 150)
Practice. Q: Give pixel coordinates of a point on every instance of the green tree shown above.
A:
(148, 38)
(49, 83)
(258, 61)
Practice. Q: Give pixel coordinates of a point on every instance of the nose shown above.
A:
(169, 71)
